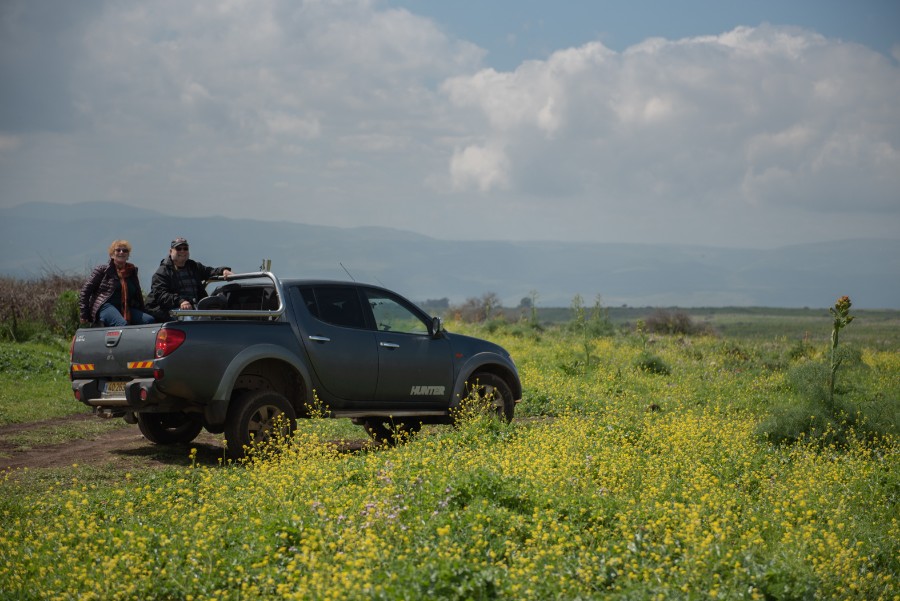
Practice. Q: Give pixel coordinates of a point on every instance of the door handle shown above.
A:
(320, 339)
(390, 345)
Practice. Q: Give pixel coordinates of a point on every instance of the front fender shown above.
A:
(254, 353)
(490, 362)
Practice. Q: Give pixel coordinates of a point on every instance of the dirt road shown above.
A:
(123, 447)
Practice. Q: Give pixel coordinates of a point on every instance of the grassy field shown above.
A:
(34, 382)
(635, 470)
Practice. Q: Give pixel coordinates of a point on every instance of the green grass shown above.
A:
(878, 329)
(34, 382)
(616, 481)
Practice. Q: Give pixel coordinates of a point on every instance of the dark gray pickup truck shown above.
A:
(260, 347)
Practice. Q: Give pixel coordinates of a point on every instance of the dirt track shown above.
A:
(123, 447)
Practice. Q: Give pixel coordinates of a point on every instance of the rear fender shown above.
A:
(252, 354)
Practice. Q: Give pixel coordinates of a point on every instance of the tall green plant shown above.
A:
(580, 326)
(65, 313)
(842, 318)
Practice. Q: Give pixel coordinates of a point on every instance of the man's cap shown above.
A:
(179, 242)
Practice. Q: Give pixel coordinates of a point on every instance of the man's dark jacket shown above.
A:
(164, 295)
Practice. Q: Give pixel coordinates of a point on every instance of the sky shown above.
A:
(702, 122)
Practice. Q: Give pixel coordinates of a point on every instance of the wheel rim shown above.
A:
(490, 393)
(263, 422)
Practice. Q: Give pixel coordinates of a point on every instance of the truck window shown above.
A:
(336, 305)
(391, 316)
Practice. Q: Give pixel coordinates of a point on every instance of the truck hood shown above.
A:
(469, 345)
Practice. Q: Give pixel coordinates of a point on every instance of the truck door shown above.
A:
(342, 350)
(412, 365)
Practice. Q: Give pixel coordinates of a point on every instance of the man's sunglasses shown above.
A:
(182, 247)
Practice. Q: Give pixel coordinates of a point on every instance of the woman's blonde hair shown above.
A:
(118, 244)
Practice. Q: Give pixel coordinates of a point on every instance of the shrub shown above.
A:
(662, 321)
(815, 421)
(809, 380)
(476, 310)
(29, 308)
(65, 313)
(649, 362)
(821, 415)
(801, 349)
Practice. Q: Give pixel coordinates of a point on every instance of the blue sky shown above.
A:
(749, 124)
(512, 32)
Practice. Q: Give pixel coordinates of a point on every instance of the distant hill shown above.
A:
(42, 237)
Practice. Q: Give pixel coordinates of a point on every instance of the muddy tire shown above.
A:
(495, 389)
(388, 432)
(252, 417)
(169, 428)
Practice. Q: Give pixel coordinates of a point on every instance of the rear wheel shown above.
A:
(495, 391)
(169, 428)
(256, 416)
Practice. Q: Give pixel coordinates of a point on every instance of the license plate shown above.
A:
(115, 387)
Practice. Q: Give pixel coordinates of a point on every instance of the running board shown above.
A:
(359, 414)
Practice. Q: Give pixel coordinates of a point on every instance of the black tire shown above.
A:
(493, 387)
(385, 431)
(251, 417)
(169, 428)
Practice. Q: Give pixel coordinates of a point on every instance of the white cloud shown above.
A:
(350, 113)
(286, 124)
(753, 117)
(486, 168)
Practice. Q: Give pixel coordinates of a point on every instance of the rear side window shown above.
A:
(336, 305)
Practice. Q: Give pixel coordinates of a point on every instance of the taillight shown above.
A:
(167, 340)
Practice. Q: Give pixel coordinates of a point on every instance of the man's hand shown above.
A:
(185, 305)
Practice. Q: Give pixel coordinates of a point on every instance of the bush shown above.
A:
(649, 362)
(476, 310)
(662, 321)
(816, 418)
(31, 308)
(65, 313)
(811, 379)
(814, 421)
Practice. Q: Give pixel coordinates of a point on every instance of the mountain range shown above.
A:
(41, 238)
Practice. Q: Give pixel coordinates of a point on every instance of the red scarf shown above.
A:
(124, 274)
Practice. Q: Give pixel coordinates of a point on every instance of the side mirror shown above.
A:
(437, 326)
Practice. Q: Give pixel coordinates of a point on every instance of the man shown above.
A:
(180, 281)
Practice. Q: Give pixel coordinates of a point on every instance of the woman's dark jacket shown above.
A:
(164, 292)
(101, 285)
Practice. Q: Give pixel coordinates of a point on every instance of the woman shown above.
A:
(112, 293)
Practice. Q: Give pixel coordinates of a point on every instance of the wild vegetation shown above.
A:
(725, 475)
(40, 308)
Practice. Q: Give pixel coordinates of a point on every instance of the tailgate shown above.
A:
(114, 353)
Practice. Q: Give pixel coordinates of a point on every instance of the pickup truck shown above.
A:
(259, 347)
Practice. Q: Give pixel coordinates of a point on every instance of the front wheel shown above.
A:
(169, 428)
(494, 390)
(254, 416)
(388, 432)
